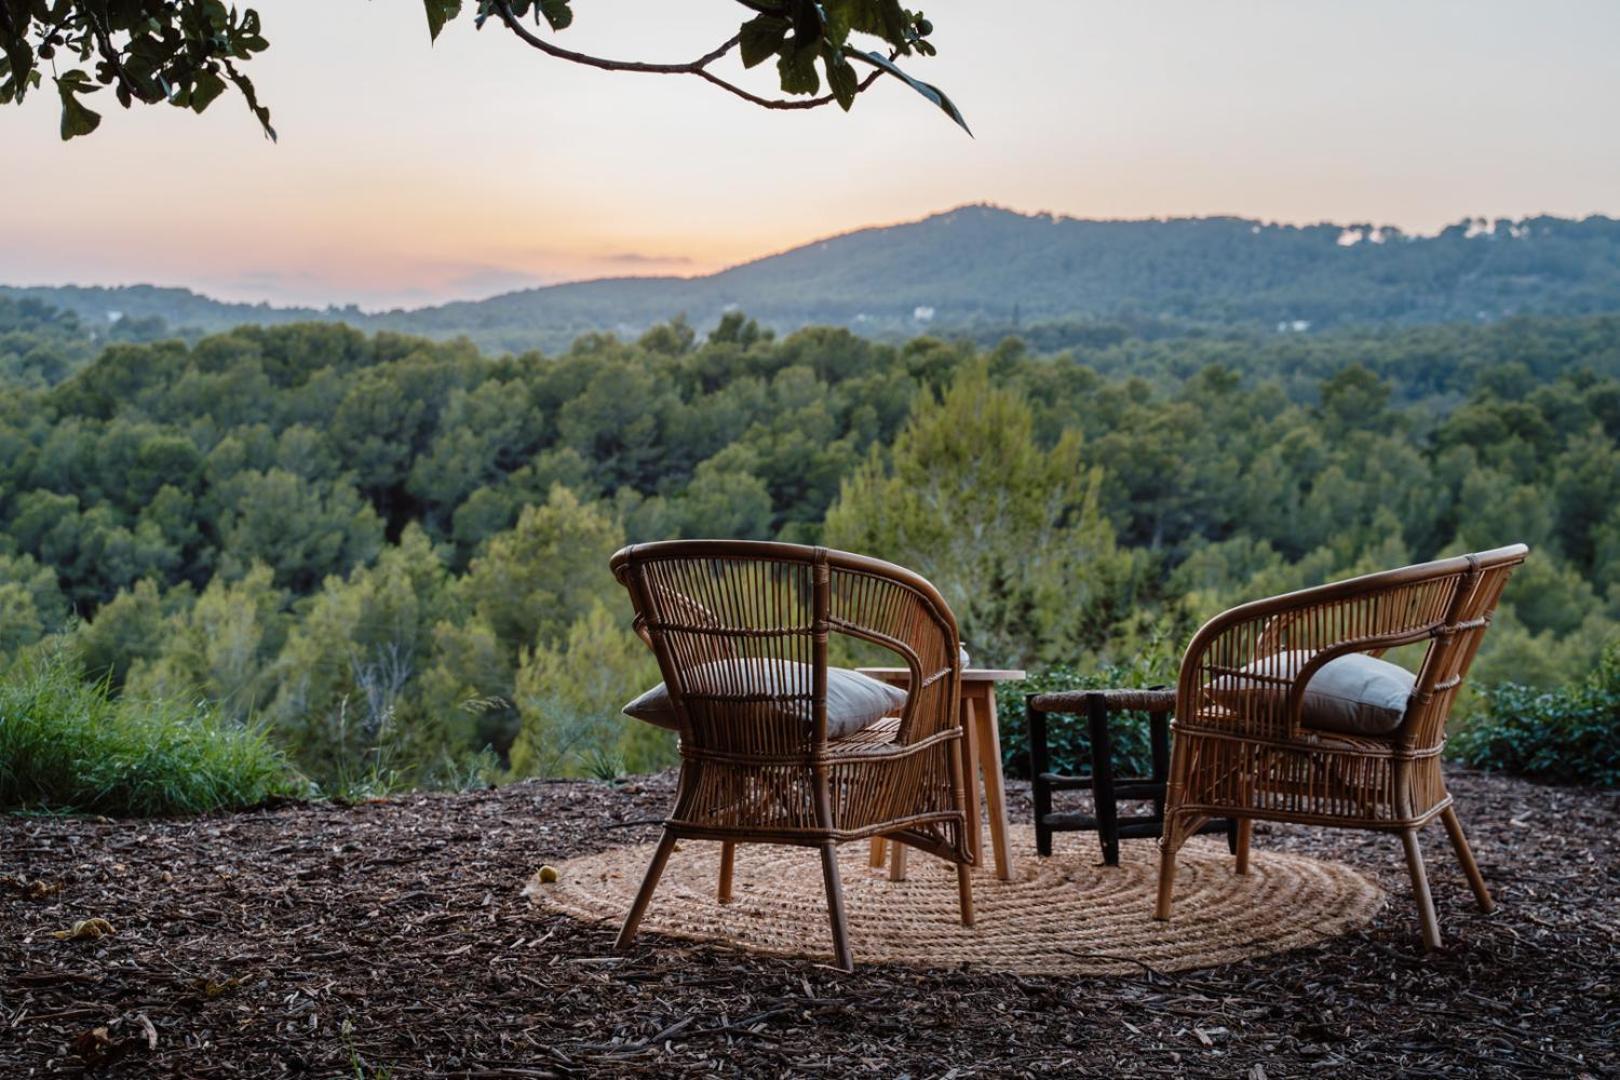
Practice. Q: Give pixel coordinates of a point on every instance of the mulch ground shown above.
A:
(390, 939)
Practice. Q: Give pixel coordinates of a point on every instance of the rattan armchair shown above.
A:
(748, 776)
(1249, 755)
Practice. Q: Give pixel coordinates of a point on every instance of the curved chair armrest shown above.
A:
(1264, 722)
(1366, 614)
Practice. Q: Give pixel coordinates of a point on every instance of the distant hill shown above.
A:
(986, 271)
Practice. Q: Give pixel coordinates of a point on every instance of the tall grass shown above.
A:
(68, 745)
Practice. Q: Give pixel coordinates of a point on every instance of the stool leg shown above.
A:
(1039, 765)
(728, 863)
(995, 792)
(1102, 778)
(970, 777)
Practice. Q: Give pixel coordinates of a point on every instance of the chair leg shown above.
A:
(638, 908)
(964, 892)
(728, 863)
(1167, 877)
(1245, 833)
(1420, 889)
(1465, 855)
(835, 906)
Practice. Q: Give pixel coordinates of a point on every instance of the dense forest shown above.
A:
(392, 552)
(985, 272)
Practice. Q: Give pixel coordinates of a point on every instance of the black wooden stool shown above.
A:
(1106, 789)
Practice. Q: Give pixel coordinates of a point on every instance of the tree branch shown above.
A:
(103, 35)
(698, 67)
(692, 67)
(782, 103)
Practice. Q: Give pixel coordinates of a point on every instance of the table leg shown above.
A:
(970, 778)
(876, 858)
(1040, 763)
(897, 861)
(995, 794)
(1102, 778)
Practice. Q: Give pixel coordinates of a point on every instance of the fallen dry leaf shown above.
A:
(96, 1047)
(37, 889)
(85, 930)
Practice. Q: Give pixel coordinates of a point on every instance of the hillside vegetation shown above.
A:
(392, 553)
(985, 272)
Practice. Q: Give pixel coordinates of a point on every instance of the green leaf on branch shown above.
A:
(557, 13)
(77, 118)
(761, 38)
(927, 90)
(809, 24)
(798, 70)
(245, 86)
(440, 12)
(843, 82)
(883, 18)
(209, 86)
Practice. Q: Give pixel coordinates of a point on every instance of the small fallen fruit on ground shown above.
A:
(548, 874)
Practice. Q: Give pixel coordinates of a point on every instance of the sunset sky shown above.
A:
(408, 174)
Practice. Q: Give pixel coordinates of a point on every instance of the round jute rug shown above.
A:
(1063, 915)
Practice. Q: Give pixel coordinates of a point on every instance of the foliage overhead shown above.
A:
(189, 52)
(183, 52)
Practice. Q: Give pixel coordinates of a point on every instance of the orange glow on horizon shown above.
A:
(408, 174)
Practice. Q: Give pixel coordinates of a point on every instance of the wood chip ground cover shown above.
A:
(391, 939)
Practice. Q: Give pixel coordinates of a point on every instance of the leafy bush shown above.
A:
(68, 745)
(1567, 735)
(1066, 736)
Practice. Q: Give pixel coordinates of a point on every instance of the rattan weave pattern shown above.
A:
(1061, 915)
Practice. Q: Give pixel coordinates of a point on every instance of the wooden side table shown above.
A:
(1106, 788)
(981, 753)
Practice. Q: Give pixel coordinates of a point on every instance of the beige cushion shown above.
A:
(1354, 694)
(854, 701)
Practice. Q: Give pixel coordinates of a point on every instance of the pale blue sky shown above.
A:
(407, 174)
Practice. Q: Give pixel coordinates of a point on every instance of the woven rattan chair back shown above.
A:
(742, 632)
(1249, 756)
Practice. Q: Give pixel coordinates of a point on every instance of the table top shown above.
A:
(989, 675)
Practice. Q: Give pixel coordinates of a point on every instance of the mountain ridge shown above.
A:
(982, 269)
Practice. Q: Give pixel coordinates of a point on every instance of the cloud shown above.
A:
(637, 258)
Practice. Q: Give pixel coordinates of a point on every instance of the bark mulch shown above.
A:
(390, 939)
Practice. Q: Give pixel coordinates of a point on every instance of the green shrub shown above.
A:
(68, 745)
(1066, 735)
(1567, 735)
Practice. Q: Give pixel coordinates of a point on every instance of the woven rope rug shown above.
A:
(1063, 915)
